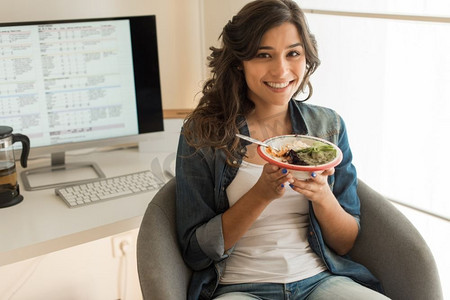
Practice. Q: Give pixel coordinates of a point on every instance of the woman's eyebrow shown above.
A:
(288, 47)
(296, 45)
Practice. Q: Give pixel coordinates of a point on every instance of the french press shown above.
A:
(9, 188)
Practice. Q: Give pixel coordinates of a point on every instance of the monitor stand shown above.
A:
(60, 174)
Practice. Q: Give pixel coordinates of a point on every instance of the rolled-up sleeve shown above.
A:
(210, 239)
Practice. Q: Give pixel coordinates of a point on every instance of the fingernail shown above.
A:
(282, 185)
(291, 185)
(284, 171)
(313, 175)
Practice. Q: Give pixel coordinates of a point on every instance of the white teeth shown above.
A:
(277, 85)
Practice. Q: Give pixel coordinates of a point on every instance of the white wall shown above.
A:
(216, 15)
(178, 27)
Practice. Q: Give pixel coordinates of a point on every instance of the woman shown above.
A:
(249, 229)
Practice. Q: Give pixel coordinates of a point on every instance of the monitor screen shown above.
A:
(80, 83)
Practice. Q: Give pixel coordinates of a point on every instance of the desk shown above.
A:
(42, 223)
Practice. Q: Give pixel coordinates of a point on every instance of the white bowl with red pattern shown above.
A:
(302, 172)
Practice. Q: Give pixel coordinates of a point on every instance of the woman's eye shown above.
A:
(294, 53)
(262, 55)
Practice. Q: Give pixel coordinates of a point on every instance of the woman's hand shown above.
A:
(316, 188)
(238, 218)
(339, 228)
(273, 182)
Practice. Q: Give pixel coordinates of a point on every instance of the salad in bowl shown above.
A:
(301, 154)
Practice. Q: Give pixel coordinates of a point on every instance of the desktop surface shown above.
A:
(43, 223)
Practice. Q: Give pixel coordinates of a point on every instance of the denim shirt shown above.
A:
(204, 175)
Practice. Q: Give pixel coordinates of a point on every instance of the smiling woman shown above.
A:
(248, 226)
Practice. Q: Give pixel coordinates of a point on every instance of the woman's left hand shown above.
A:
(316, 188)
(339, 228)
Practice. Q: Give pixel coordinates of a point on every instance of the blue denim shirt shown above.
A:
(202, 179)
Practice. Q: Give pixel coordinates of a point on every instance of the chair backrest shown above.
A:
(161, 269)
(388, 245)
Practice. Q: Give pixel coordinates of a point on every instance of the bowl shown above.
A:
(301, 172)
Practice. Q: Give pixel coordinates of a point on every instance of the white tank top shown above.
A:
(275, 248)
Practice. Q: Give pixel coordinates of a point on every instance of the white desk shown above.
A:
(42, 223)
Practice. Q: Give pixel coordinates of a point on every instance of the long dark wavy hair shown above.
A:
(213, 123)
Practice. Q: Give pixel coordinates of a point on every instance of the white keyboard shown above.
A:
(109, 188)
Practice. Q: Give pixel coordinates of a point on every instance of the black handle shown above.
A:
(17, 137)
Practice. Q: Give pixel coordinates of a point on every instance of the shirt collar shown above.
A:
(298, 121)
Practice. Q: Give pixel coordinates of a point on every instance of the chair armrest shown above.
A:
(393, 250)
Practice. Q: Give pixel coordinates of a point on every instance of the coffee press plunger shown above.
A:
(9, 188)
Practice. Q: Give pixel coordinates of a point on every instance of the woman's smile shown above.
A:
(277, 85)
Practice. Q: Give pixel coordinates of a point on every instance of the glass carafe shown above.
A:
(9, 188)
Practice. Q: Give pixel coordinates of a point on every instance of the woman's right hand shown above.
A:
(238, 218)
(273, 182)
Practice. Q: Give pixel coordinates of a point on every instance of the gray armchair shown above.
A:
(388, 245)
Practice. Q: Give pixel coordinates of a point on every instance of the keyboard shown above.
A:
(103, 189)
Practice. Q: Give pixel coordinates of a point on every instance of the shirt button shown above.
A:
(234, 162)
(243, 150)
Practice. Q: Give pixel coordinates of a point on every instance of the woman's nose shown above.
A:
(280, 67)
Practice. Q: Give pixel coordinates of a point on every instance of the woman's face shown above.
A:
(277, 70)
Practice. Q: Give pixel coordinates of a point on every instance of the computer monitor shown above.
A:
(76, 84)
